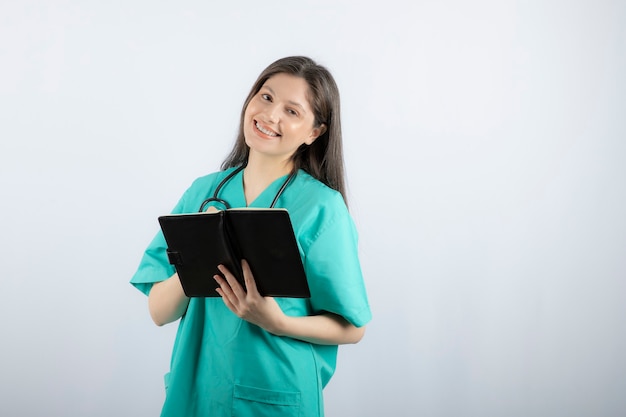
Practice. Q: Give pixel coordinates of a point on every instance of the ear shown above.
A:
(315, 133)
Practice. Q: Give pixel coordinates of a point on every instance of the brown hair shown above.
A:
(323, 159)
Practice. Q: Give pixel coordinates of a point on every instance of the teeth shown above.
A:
(267, 132)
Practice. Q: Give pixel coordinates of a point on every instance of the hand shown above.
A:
(249, 305)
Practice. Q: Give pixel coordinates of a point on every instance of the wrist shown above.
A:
(280, 326)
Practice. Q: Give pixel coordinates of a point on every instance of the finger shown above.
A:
(225, 291)
(235, 286)
(248, 278)
(226, 300)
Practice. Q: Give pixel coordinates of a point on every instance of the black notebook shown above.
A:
(199, 242)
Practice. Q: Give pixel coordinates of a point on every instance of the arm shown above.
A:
(325, 329)
(167, 301)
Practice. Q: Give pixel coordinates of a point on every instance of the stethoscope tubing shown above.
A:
(215, 198)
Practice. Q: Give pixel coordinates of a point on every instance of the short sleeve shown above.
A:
(154, 266)
(334, 271)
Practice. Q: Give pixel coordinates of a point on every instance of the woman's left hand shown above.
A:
(248, 303)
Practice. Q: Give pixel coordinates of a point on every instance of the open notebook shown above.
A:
(199, 242)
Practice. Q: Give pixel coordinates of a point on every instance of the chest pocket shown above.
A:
(257, 402)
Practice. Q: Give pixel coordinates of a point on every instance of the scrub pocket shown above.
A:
(257, 402)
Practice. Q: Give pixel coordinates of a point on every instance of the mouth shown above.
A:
(266, 131)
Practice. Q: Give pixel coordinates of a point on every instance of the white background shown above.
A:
(486, 156)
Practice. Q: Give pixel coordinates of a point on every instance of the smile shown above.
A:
(265, 131)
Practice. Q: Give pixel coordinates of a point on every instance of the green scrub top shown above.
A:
(224, 366)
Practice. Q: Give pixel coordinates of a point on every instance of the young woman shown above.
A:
(244, 354)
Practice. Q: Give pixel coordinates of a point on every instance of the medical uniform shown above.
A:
(224, 366)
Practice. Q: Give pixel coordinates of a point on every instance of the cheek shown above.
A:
(247, 113)
(247, 129)
(251, 108)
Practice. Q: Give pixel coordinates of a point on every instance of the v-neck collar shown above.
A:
(263, 200)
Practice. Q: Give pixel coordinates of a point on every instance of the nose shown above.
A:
(271, 113)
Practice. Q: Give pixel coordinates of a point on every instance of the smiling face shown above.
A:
(279, 119)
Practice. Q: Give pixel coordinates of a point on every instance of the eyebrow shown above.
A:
(293, 103)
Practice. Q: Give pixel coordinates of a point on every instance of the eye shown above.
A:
(266, 97)
(292, 112)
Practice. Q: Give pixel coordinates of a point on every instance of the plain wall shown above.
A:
(486, 154)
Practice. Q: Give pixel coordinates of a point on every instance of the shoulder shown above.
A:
(312, 192)
(316, 207)
(314, 188)
(210, 180)
(200, 189)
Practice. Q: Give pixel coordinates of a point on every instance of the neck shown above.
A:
(260, 173)
(267, 168)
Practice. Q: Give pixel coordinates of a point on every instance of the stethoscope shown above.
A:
(216, 199)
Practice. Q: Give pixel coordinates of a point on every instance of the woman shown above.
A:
(244, 354)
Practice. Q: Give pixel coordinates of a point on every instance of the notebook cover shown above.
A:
(266, 240)
(198, 242)
(196, 245)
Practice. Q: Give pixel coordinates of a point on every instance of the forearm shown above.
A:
(167, 301)
(323, 329)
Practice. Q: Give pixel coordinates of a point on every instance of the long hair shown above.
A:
(323, 159)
